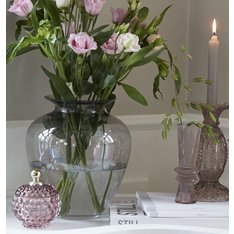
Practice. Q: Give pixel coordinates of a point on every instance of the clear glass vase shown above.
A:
(83, 151)
(188, 142)
(211, 160)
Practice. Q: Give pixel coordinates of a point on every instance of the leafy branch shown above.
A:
(179, 107)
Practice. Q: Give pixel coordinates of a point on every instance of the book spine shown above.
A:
(131, 220)
(128, 213)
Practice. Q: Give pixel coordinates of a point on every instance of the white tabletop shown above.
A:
(59, 225)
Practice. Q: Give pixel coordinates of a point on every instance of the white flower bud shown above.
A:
(151, 38)
(62, 3)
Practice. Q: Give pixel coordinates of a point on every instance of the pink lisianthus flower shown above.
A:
(21, 7)
(93, 7)
(118, 15)
(81, 43)
(110, 46)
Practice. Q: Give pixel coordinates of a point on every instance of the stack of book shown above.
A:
(150, 207)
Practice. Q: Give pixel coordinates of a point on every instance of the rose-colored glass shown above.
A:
(188, 141)
(211, 160)
(36, 204)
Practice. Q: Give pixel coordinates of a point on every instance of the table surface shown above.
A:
(14, 226)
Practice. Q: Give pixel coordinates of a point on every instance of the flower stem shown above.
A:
(78, 157)
(107, 188)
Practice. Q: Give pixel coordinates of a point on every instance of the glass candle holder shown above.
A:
(36, 204)
(211, 160)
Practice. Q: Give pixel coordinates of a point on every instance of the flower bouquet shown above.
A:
(89, 62)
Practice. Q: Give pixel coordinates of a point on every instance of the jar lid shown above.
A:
(35, 174)
(36, 189)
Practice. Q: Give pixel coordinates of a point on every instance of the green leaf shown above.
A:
(209, 130)
(134, 94)
(109, 81)
(136, 57)
(143, 14)
(54, 91)
(26, 50)
(195, 106)
(20, 47)
(9, 50)
(110, 105)
(156, 21)
(161, 16)
(102, 37)
(163, 68)
(52, 10)
(189, 88)
(208, 82)
(19, 25)
(198, 79)
(167, 123)
(173, 102)
(183, 49)
(59, 85)
(147, 59)
(212, 116)
(177, 80)
(87, 87)
(156, 85)
(35, 22)
(198, 124)
(202, 80)
(169, 55)
(97, 30)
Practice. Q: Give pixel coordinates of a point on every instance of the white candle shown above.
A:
(213, 67)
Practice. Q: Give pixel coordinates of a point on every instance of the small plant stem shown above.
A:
(107, 188)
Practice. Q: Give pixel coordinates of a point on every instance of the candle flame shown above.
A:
(214, 27)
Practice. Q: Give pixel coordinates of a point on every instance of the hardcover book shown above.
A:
(163, 205)
(125, 211)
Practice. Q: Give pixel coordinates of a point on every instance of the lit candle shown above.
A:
(213, 67)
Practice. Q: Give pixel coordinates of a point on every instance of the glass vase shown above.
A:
(211, 160)
(188, 142)
(83, 151)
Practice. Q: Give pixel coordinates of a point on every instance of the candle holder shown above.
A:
(211, 160)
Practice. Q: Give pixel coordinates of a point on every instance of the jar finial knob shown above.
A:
(35, 174)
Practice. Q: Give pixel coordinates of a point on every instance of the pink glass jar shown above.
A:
(36, 204)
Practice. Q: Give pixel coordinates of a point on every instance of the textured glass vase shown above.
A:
(83, 151)
(188, 142)
(211, 160)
